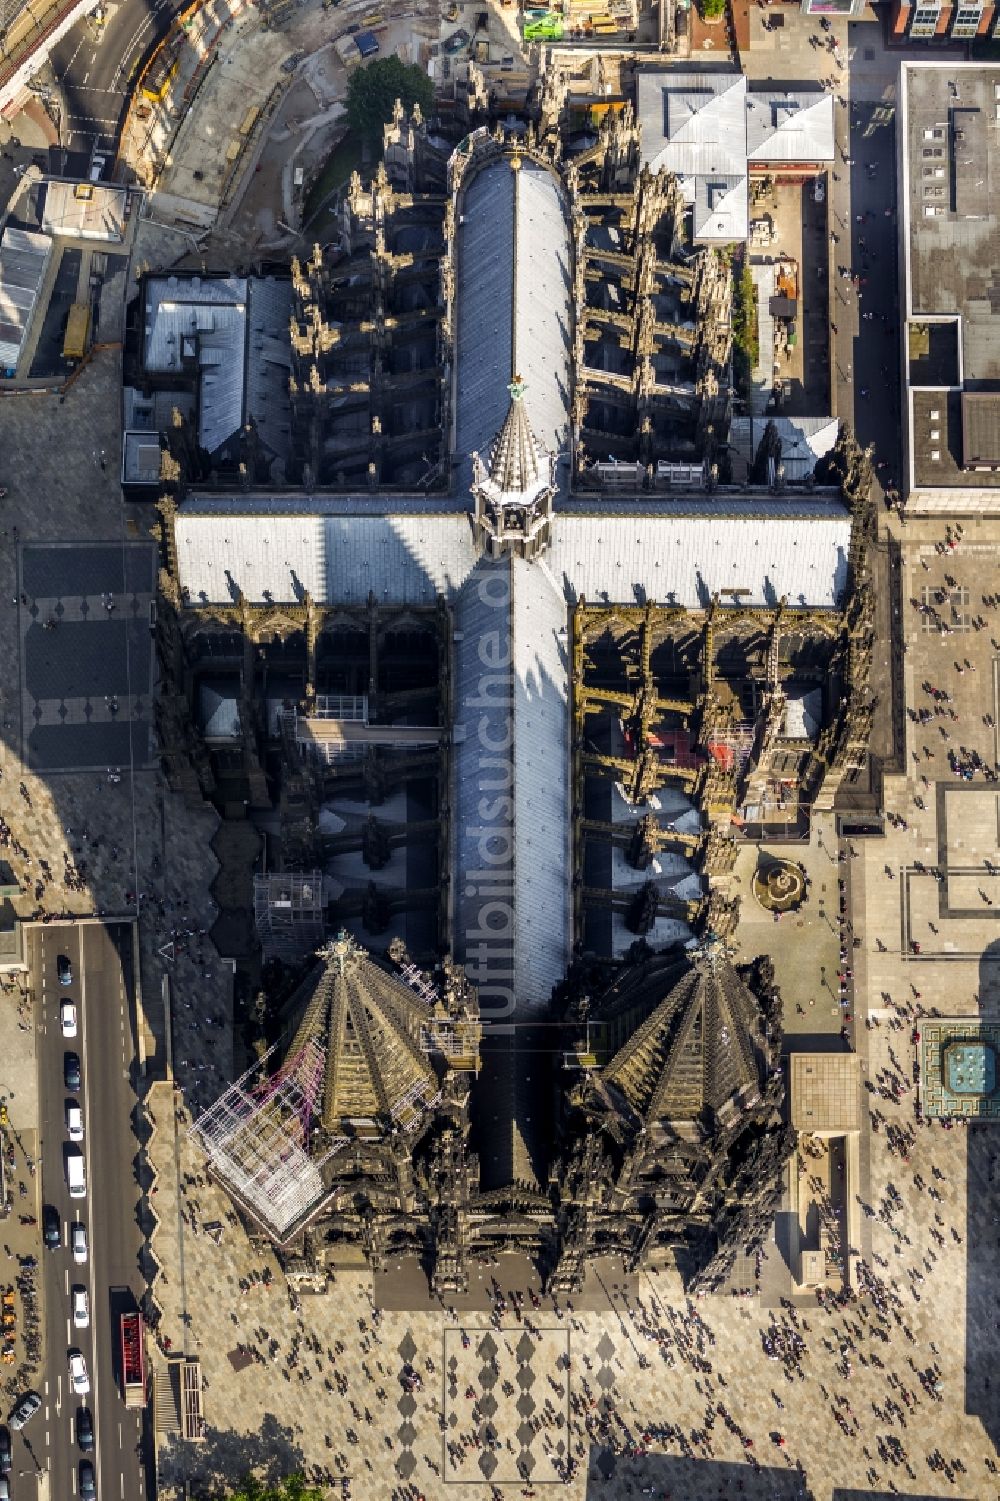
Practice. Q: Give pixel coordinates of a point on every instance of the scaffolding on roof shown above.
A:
(420, 983)
(456, 1038)
(257, 1136)
(730, 745)
(289, 912)
(408, 1110)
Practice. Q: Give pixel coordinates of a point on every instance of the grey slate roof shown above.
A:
(512, 286)
(239, 328)
(687, 559)
(269, 361)
(684, 552)
(407, 559)
(693, 123)
(789, 125)
(207, 315)
(541, 780)
(511, 817)
(720, 207)
(804, 441)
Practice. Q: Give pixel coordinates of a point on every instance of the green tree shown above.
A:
(292, 1489)
(746, 341)
(372, 92)
(713, 9)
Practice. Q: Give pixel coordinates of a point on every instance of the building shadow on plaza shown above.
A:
(982, 1238)
(667, 1475)
(271, 1453)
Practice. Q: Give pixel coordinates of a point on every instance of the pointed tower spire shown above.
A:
(513, 491)
(516, 460)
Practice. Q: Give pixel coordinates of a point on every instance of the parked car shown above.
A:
(78, 1242)
(81, 1307)
(25, 1410)
(74, 1121)
(84, 1428)
(76, 1172)
(5, 1456)
(71, 1071)
(51, 1227)
(64, 970)
(79, 1378)
(88, 1489)
(67, 1019)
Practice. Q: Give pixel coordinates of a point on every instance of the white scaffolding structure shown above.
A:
(289, 912)
(256, 1140)
(731, 745)
(419, 983)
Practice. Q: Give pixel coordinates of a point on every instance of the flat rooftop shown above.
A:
(949, 118)
(952, 185)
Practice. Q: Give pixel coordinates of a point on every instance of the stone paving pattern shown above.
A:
(132, 838)
(85, 697)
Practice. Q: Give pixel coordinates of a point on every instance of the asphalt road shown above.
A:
(94, 67)
(101, 988)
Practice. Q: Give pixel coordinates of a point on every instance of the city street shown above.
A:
(94, 67)
(101, 988)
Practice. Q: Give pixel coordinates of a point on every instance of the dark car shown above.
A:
(84, 1428)
(51, 1228)
(5, 1460)
(456, 41)
(25, 1410)
(64, 970)
(88, 1490)
(71, 1070)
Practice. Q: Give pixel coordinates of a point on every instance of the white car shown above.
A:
(81, 1308)
(78, 1240)
(74, 1121)
(67, 1019)
(78, 1378)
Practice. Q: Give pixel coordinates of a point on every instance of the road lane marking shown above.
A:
(67, 1281)
(91, 1271)
(69, 1337)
